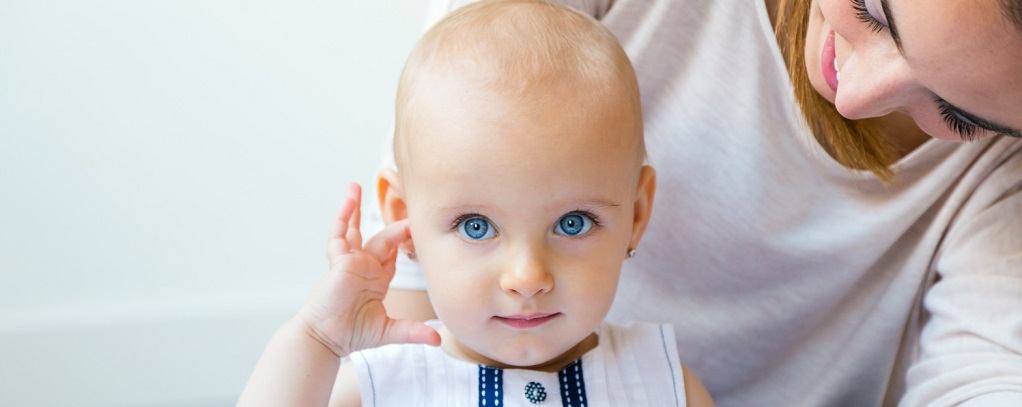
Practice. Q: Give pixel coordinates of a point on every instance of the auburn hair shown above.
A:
(856, 144)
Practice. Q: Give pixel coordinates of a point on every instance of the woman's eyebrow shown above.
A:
(886, 6)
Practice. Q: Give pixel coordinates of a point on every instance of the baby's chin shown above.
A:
(521, 356)
(532, 360)
(531, 356)
(543, 356)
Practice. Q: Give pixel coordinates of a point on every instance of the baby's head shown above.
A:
(521, 57)
(519, 152)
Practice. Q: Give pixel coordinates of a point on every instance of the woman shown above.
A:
(867, 251)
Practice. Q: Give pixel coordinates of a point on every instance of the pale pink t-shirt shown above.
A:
(789, 279)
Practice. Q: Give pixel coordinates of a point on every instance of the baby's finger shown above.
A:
(384, 245)
(354, 235)
(355, 191)
(408, 331)
(336, 242)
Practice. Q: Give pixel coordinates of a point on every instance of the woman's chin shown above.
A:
(822, 89)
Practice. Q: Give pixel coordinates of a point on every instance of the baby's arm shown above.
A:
(346, 391)
(344, 314)
(695, 393)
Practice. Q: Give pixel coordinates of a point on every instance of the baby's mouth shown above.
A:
(525, 321)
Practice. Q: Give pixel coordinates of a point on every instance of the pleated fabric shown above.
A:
(634, 365)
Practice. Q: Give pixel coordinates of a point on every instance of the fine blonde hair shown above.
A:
(857, 144)
(518, 49)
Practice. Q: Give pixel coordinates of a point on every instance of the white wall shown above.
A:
(167, 172)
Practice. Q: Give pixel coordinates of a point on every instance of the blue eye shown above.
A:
(476, 229)
(574, 224)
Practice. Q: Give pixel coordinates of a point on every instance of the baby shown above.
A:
(520, 189)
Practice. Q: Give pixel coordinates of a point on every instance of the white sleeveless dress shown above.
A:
(636, 365)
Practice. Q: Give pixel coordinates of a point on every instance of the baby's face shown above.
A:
(521, 214)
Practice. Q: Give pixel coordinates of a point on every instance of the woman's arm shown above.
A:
(970, 346)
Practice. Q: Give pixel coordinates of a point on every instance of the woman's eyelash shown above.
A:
(963, 126)
(966, 130)
(862, 13)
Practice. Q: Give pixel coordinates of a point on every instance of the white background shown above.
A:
(167, 173)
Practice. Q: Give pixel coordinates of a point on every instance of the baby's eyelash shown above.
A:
(458, 220)
(463, 217)
(590, 215)
(862, 13)
(966, 130)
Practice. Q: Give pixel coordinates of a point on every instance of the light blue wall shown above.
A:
(167, 172)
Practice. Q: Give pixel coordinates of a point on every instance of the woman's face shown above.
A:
(954, 66)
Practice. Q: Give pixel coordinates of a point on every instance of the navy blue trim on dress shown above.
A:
(573, 385)
(491, 381)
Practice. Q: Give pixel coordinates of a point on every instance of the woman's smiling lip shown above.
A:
(520, 321)
(828, 62)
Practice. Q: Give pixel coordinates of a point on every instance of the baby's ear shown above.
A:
(392, 202)
(643, 208)
(390, 195)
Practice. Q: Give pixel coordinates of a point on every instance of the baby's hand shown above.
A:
(345, 312)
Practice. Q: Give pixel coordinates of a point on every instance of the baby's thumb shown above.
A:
(408, 331)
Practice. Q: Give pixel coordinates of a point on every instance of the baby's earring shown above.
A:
(631, 252)
(409, 250)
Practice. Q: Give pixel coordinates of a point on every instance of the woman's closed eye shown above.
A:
(969, 126)
(878, 19)
(963, 126)
(875, 19)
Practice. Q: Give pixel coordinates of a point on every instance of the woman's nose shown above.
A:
(874, 83)
(527, 273)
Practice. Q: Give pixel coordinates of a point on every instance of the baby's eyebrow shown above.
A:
(459, 208)
(589, 203)
(599, 203)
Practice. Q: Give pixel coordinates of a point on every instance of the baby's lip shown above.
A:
(526, 317)
(526, 321)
